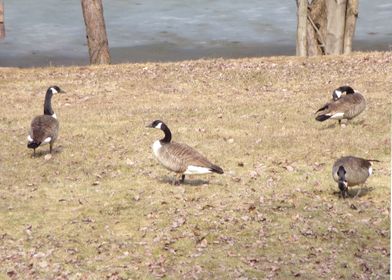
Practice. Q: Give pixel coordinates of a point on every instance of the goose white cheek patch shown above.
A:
(29, 138)
(370, 170)
(159, 126)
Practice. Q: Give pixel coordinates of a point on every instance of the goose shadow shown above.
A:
(332, 125)
(44, 152)
(355, 192)
(347, 124)
(187, 182)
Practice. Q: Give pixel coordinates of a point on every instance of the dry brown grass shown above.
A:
(103, 207)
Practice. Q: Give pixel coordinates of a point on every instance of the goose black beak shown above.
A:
(150, 125)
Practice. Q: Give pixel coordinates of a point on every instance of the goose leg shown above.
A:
(359, 191)
(344, 193)
(50, 147)
(176, 180)
(182, 178)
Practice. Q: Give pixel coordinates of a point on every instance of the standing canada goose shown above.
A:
(343, 107)
(180, 158)
(44, 128)
(350, 171)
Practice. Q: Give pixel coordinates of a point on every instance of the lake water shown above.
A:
(52, 32)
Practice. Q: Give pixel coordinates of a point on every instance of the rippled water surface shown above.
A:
(50, 31)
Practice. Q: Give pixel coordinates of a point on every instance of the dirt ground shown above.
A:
(102, 207)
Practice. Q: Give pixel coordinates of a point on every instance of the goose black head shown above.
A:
(342, 182)
(337, 93)
(55, 89)
(162, 126)
(156, 124)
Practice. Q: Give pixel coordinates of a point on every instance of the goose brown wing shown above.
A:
(355, 98)
(351, 105)
(42, 127)
(187, 155)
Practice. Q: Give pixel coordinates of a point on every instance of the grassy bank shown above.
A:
(101, 206)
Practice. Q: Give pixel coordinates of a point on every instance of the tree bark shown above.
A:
(2, 28)
(351, 19)
(302, 13)
(316, 28)
(336, 19)
(97, 41)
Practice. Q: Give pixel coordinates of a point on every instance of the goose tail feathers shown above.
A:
(216, 169)
(322, 118)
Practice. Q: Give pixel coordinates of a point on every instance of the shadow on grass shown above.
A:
(44, 151)
(335, 124)
(187, 182)
(332, 125)
(355, 192)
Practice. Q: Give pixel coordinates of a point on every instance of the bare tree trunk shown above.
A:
(330, 26)
(351, 19)
(336, 18)
(2, 28)
(97, 41)
(302, 13)
(316, 28)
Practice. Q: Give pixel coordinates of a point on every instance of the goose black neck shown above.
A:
(48, 103)
(347, 89)
(341, 173)
(167, 132)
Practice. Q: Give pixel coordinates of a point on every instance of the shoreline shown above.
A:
(169, 52)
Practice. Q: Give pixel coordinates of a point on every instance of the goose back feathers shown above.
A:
(44, 129)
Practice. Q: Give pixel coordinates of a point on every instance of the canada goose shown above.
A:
(180, 158)
(350, 171)
(342, 107)
(44, 128)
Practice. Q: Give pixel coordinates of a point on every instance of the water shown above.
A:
(41, 32)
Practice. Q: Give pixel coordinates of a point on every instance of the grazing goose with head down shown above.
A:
(351, 171)
(180, 158)
(44, 128)
(343, 106)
